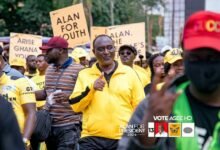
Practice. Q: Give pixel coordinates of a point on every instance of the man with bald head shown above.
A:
(106, 94)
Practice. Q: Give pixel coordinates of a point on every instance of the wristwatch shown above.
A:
(26, 142)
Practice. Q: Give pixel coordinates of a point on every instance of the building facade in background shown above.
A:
(177, 11)
(174, 18)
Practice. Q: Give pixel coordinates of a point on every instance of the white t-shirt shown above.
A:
(163, 134)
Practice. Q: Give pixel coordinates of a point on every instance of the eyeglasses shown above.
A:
(123, 53)
(110, 48)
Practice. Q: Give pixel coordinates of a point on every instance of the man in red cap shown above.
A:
(60, 81)
(194, 98)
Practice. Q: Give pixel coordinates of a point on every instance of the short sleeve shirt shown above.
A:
(18, 92)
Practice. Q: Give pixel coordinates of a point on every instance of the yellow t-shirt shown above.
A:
(142, 74)
(159, 86)
(149, 73)
(18, 92)
(39, 80)
(31, 75)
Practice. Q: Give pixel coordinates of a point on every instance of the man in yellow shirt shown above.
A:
(106, 94)
(39, 79)
(127, 55)
(20, 94)
(31, 67)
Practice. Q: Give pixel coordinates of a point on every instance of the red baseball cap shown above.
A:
(55, 42)
(202, 29)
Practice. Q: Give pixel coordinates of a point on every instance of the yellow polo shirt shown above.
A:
(18, 92)
(106, 112)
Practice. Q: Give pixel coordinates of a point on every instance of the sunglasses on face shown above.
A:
(125, 53)
(110, 48)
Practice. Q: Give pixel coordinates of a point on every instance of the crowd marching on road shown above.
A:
(62, 100)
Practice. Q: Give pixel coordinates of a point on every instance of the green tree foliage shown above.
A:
(8, 15)
(61, 3)
(31, 16)
(25, 16)
(101, 8)
(125, 11)
(3, 29)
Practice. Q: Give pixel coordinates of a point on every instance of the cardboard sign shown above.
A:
(131, 34)
(22, 45)
(95, 31)
(70, 23)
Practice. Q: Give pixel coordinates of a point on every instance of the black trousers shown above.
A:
(35, 145)
(63, 138)
(97, 143)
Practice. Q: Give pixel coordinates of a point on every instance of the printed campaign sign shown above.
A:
(131, 34)
(22, 45)
(161, 129)
(188, 129)
(70, 23)
(150, 129)
(164, 129)
(95, 31)
(174, 129)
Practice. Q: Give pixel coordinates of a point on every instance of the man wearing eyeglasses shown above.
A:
(106, 94)
(127, 55)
